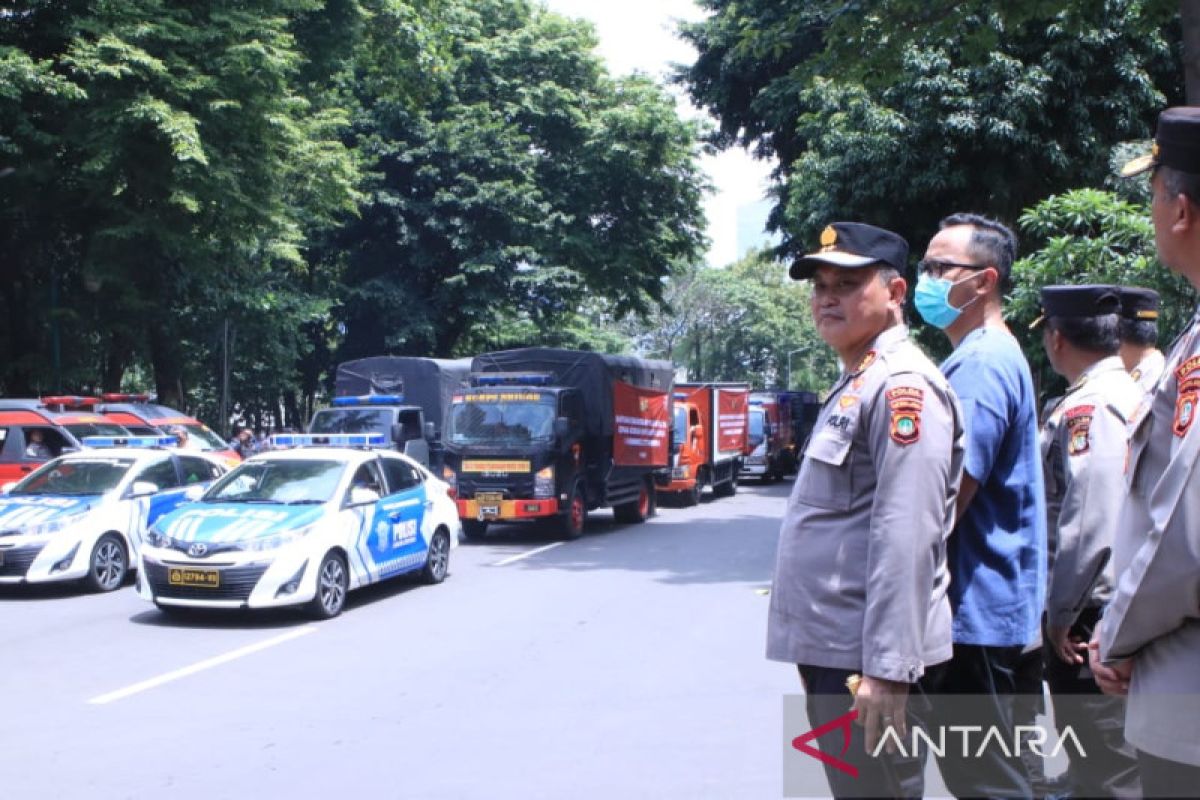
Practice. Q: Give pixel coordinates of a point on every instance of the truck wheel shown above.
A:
(640, 509)
(571, 522)
(728, 488)
(474, 529)
(692, 496)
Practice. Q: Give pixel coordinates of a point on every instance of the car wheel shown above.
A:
(438, 562)
(640, 509)
(332, 584)
(575, 515)
(109, 564)
(474, 529)
(728, 488)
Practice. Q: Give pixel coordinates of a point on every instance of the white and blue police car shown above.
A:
(83, 515)
(302, 525)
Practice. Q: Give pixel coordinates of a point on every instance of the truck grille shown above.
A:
(236, 584)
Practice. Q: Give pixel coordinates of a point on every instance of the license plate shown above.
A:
(489, 497)
(203, 578)
(489, 511)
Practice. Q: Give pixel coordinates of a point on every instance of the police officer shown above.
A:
(860, 579)
(1139, 336)
(1083, 457)
(1149, 637)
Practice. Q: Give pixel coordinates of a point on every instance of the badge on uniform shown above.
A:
(1188, 377)
(866, 361)
(905, 403)
(1078, 421)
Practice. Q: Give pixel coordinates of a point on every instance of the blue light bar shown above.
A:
(369, 400)
(284, 440)
(128, 441)
(512, 379)
(755, 402)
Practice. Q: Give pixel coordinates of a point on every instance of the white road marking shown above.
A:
(200, 666)
(527, 554)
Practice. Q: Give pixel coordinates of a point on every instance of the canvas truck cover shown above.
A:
(597, 377)
(425, 382)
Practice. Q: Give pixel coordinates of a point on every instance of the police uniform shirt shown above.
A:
(1147, 371)
(1083, 458)
(1154, 615)
(860, 579)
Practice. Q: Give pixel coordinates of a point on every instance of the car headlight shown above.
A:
(276, 540)
(55, 525)
(156, 538)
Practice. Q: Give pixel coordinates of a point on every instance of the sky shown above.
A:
(638, 35)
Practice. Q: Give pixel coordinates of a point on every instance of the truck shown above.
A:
(770, 437)
(548, 435)
(709, 439)
(805, 406)
(403, 397)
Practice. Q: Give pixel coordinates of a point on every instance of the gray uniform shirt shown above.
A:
(1083, 459)
(860, 577)
(1154, 615)
(1146, 373)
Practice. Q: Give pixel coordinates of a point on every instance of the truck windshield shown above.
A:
(758, 419)
(352, 420)
(679, 433)
(487, 420)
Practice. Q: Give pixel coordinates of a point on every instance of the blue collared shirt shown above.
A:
(997, 552)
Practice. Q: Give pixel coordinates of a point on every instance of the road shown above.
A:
(626, 664)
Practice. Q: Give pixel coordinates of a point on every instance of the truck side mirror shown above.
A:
(397, 433)
(562, 427)
(430, 432)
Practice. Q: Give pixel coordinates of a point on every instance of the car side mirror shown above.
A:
(430, 432)
(397, 433)
(143, 489)
(562, 427)
(193, 493)
(361, 495)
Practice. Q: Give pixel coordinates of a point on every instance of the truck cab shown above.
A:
(708, 439)
(770, 445)
(60, 422)
(387, 414)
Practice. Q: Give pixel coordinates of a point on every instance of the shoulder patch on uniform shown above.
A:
(1078, 421)
(1185, 410)
(1187, 368)
(866, 361)
(906, 425)
(906, 397)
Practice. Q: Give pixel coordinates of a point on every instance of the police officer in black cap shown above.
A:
(1139, 336)
(1149, 637)
(860, 578)
(1083, 458)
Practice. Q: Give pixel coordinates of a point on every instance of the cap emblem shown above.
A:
(828, 239)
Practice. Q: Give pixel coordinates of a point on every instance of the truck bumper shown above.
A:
(507, 509)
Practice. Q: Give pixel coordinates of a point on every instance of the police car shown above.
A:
(83, 515)
(302, 526)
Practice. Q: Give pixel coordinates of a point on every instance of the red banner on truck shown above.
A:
(732, 409)
(642, 423)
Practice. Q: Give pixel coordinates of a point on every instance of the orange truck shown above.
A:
(709, 439)
(772, 451)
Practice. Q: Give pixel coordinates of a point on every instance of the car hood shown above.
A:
(214, 523)
(23, 511)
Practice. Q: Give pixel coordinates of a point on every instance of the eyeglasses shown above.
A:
(936, 269)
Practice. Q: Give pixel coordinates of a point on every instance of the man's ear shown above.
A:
(1186, 218)
(991, 280)
(897, 291)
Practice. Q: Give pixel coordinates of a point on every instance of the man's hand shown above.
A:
(1071, 649)
(1111, 680)
(881, 704)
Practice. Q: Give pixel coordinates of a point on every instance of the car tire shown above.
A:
(438, 563)
(640, 509)
(333, 582)
(728, 488)
(108, 565)
(574, 516)
(474, 529)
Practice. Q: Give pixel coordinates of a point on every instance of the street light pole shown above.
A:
(789, 363)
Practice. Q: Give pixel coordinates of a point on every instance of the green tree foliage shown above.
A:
(741, 323)
(1090, 236)
(899, 112)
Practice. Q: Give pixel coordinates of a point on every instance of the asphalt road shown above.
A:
(627, 664)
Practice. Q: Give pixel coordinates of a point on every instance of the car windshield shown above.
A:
(204, 437)
(483, 420)
(277, 481)
(758, 419)
(76, 476)
(82, 429)
(352, 420)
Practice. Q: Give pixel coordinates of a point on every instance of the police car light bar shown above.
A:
(369, 400)
(69, 401)
(128, 441)
(511, 379)
(117, 397)
(328, 440)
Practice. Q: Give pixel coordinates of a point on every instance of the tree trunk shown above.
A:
(1189, 17)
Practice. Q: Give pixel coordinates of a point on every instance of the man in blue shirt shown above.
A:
(997, 552)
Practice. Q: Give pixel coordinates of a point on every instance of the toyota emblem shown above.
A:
(197, 550)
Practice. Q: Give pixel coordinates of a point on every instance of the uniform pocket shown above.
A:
(825, 477)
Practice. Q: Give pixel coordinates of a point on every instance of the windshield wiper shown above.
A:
(307, 502)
